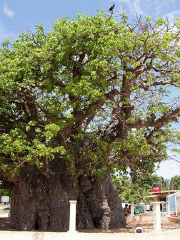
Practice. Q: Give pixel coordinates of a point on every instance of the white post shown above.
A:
(145, 208)
(156, 217)
(72, 217)
(167, 209)
(132, 209)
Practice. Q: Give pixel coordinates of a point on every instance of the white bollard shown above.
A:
(132, 209)
(156, 217)
(145, 208)
(167, 209)
(72, 217)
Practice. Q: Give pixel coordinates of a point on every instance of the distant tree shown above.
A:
(135, 191)
(92, 95)
(5, 192)
(175, 182)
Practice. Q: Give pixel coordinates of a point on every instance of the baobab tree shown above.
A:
(88, 97)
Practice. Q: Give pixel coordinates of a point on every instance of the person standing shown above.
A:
(126, 210)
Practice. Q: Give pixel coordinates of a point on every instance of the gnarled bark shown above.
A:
(42, 203)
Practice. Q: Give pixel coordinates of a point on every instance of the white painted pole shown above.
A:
(72, 217)
(176, 204)
(156, 217)
(145, 208)
(167, 209)
(132, 209)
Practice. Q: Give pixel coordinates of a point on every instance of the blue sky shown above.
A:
(19, 15)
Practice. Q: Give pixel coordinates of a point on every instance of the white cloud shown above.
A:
(172, 16)
(170, 167)
(8, 11)
(5, 34)
(133, 5)
(145, 7)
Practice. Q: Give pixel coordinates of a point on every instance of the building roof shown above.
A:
(151, 196)
(164, 192)
(161, 193)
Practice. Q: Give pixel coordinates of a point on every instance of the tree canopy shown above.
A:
(94, 92)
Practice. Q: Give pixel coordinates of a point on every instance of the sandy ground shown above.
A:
(6, 225)
(147, 223)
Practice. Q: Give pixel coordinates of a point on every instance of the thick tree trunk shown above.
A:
(42, 203)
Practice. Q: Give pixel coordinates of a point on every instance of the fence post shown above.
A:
(72, 217)
(167, 209)
(145, 208)
(156, 217)
(132, 209)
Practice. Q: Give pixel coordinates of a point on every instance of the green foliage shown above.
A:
(175, 183)
(135, 191)
(93, 92)
(5, 192)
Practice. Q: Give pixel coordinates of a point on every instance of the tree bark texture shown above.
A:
(42, 203)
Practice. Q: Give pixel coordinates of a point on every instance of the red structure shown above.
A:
(156, 188)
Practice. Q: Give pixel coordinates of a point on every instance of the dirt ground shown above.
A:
(5, 224)
(146, 224)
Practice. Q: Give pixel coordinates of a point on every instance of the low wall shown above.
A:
(16, 235)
